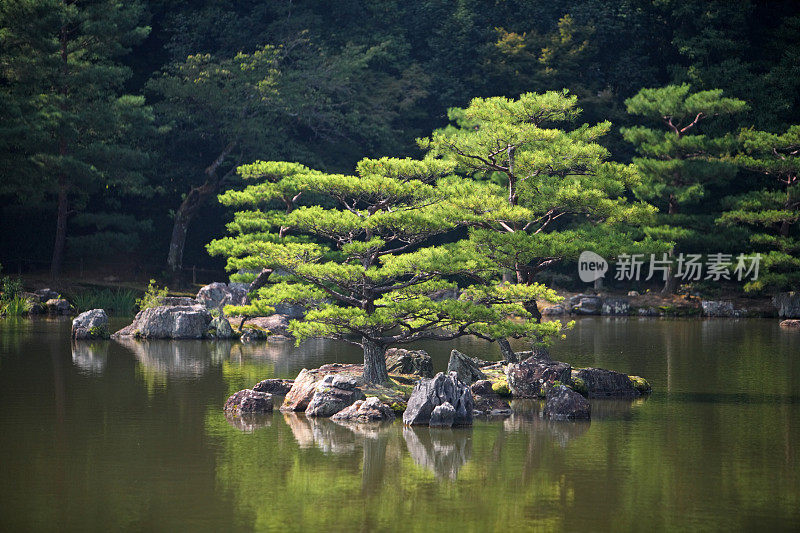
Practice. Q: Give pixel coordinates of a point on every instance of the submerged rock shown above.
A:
(790, 324)
(164, 322)
(533, 377)
(249, 401)
(467, 368)
(274, 386)
(91, 325)
(416, 362)
(431, 393)
(600, 382)
(564, 403)
(362, 411)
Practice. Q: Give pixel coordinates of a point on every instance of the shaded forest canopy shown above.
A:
(155, 103)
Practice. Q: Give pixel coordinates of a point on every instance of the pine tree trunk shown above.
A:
(505, 349)
(671, 283)
(61, 229)
(188, 209)
(374, 361)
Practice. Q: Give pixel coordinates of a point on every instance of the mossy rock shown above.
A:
(501, 388)
(98, 332)
(641, 384)
(579, 386)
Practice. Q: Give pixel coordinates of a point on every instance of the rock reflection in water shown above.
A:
(442, 451)
(321, 433)
(615, 408)
(183, 359)
(90, 357)
(528, 418)
(248, 423)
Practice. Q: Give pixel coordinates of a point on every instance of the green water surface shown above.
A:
(131, 436)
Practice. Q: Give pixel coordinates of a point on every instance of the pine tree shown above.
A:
(553, 193)
(678, 164)
(68, 125)
(772, 212)
(364, 257)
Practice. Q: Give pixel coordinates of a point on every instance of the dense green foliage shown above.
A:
(366, 262)
(771, 212)
(326, 84)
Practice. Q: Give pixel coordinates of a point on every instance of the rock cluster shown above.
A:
(486, 402)
(332, 394)
(430, 394)
(305, 384)
(362, 411)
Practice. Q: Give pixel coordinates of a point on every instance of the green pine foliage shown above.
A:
(773, 212)
(543, 190)
(366, 259)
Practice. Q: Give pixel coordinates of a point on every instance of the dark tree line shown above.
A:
(120, 122)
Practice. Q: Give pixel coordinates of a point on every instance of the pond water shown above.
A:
(132, 436)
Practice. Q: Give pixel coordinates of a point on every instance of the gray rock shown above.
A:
(91, 325)
(648, 311)
(533, 377)
(416, 362)
(467, 368)
(305, 384)
(362, 411)
(177, 300)
(600, 382)
(222, 328)
(583, 304)
(332, 394)
(177, 322)
(487, 403)
(564, 403)
(554, 310)
(443, 416)
(58, 306)
(715, 308)
(615, 306)
(249, 401)
(431, 393)
(483, 386)
(47, 294)
(253, 335)
(633, 293)
(279, 387)
(275, 324)
(788, 304)
(217, 295)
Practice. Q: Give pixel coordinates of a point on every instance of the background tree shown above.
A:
(371, 268)
(679, 165)
(773, 212)
(552, 192)
(69, 126)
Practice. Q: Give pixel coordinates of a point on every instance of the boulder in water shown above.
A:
(362, 411)
(249, 401)
(534, 376)
(564, 403)
(431, 393)
(91, 325)
(332, 394)
(169, 322)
